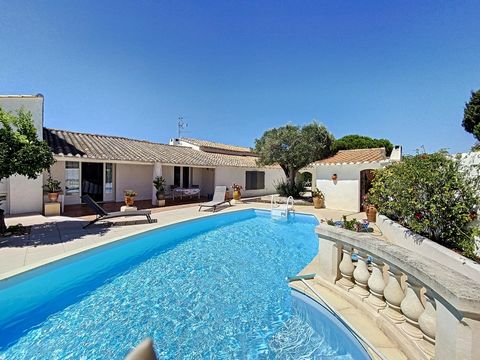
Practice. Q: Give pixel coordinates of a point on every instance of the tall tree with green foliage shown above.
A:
(293, 147)
(350, 142)
(21, 151)
(471, 115)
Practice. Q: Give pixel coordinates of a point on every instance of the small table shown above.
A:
(51, 209)
(128, 208)
(186, 192)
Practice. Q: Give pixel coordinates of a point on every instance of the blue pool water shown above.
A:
(209, 288)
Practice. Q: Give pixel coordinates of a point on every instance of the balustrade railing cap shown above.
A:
(447, 285)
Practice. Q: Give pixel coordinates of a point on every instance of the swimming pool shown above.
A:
(211, 287)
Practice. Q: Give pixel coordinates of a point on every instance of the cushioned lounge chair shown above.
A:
(218, 199)
(103, 215)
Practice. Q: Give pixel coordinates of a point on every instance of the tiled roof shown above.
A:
(71, 144)
(356, 156)
(211, 146)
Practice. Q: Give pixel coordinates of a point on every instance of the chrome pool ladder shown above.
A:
(281, 210)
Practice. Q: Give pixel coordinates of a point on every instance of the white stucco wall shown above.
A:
(25, 195)
(229, 175)
(134, 177)
(343, 194)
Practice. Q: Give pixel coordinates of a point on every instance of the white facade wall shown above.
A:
(24, 195)
(229, 175)
(134, 177)
(344, 193)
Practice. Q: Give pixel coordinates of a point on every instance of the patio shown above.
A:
(81, 210)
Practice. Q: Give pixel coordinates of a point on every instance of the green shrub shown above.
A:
(285, 189)
(430, 195)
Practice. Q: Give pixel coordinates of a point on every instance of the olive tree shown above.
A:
(21, 151)
(293, 147)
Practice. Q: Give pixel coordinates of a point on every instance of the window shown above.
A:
(176, 176)
(72, 178)
(255, 180)
(108, 178)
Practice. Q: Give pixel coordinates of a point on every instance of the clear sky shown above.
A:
(395, 69)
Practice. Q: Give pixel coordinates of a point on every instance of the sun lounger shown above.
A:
(103, 215)
(218, 199)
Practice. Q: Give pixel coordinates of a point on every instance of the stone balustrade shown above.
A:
(434, 307)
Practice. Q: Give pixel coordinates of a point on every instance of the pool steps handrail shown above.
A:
(280, 209)
(364, 342)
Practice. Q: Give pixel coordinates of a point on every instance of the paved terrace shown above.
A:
(52, 238)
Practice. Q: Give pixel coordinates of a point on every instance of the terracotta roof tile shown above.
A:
(355, 156)
(70, 144)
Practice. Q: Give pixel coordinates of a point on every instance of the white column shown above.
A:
(157, 171)
(329, 257)
(394, 295)
(361, 276)
(412, 308)
(376, 284)
(346, 268)
(428, 324)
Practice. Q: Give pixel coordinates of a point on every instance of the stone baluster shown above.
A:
(394, 295)
(428, 324)
(376, 284)
(412, 308)
(361, 276)
(346, 268)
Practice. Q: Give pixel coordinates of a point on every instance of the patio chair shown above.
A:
(218, 199)
(104, 215)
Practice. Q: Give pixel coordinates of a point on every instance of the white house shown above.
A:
(17, 193)
(346, 177)
(104, 166)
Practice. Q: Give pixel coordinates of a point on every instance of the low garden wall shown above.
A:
(406, 238)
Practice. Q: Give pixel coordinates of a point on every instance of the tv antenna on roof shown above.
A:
(181, 125)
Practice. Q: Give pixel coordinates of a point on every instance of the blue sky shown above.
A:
(395, 69)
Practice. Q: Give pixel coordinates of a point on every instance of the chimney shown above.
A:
(396, 154)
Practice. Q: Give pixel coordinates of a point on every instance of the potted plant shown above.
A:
(318, 199)
(237, 191)
(129, 196)
(159, 184)
(369, 209)
(52, 188)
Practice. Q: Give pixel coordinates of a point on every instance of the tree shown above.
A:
(21, 151)
(432, 195)
(349, 142)
(293, 147)
(471, 115)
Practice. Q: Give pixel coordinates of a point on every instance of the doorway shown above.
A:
(92, 180)
(366, 177)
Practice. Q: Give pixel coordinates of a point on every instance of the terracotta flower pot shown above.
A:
(371, 213)
(318, 202)
(129, 200)
(237, 195)
(53, 197)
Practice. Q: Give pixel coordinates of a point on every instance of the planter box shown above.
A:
(51, 209)
(160, 202)
(406, 238)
